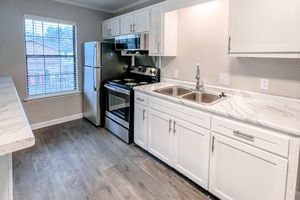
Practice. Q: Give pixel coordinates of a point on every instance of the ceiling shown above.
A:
(111, 6)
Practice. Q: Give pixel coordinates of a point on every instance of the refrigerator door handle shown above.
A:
(94, 84)
(98, 76)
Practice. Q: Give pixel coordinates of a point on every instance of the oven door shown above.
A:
(118, 105)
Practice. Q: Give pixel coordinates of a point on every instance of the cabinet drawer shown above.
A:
(258, 137)
(141, 98)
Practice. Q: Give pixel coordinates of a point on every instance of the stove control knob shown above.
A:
(153, 71)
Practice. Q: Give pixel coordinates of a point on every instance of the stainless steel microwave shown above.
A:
(132, 42)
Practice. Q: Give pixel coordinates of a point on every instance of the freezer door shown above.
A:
(91, 94)
(92, 54)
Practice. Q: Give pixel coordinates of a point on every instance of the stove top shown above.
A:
(136, 76)
(127, 82)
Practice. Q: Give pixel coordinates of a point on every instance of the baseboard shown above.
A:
(55, 121)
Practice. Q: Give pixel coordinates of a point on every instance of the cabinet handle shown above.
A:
(174, 127)
(158, 46)
(131, 28)
(229, 44)
(140, 99)
(243, 136)
(213, 145)
(170, 124)
(144, 112)
(109, 32)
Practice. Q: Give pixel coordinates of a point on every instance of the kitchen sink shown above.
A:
(174, 91)
(203, 97)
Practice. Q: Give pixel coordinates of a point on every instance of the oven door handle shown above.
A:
(121, 90)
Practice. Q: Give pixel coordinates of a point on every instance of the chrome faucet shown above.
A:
(199, 83)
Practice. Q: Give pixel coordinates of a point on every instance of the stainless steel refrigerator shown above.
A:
(100, 63)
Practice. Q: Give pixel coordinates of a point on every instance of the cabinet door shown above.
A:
(6, 184)
(156, 31)
(127, 24)
(115, 27)
(191, 151)
(241, 172)
(105, 27)
(141, 21)
(159, 135)
(264, 26)
(140, 125)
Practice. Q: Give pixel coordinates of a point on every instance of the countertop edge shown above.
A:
(283, 130)
(28, 140)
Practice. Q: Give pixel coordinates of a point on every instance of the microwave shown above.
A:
(138, 42)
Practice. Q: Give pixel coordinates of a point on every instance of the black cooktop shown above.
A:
(137, 76)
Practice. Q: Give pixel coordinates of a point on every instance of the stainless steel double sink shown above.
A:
(206, 98)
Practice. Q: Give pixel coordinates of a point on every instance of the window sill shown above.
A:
(51, 96)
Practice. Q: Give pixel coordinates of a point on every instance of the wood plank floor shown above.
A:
(76, 161)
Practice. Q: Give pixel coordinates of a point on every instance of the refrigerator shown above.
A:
(100, 63)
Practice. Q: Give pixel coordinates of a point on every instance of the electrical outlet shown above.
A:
(224, 79)
(175, 75)
(264, 84)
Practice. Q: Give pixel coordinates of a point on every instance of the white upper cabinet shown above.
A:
(163, 32)
(141, 21)
(136, 22)
(127, 24)
(264, 27)
(111, 28)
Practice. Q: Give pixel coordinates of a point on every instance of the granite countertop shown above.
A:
(15, 131)
(274, 112)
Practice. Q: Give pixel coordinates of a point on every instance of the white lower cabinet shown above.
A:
(191, 151)
(241, 172)
(159, 135)
(6, 182)
(233, 160)
(140, 125)
(180, 144)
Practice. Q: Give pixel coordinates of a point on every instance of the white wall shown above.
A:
(202, 37)
(12, 57)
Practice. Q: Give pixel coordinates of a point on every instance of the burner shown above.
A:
(128, 80)
(131, 84)
(116, 81)
(143, 83)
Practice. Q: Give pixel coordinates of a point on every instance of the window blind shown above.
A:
(50, 56)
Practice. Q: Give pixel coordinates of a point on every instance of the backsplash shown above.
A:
(206, 44)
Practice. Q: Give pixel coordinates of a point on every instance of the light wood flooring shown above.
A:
(76, 161)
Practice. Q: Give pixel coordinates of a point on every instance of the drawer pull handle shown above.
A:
(140, 99)
(243, 136)
(170, 124)
(144, 112)
(174, 127)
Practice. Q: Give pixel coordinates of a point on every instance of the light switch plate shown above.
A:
(264, 84)
(224, 79)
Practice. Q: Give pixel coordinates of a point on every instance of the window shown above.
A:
(50, 56)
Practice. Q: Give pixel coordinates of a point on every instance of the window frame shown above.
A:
(54, 94)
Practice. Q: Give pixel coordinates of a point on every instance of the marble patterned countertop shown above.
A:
(15, 131)
(274, 112)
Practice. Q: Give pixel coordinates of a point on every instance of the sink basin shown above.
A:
(203, 97)
(173, 91)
